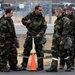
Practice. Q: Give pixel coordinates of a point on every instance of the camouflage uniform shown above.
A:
(3, 50)
(37, 26)
(72, 35)
(61, 29)
(9, 36)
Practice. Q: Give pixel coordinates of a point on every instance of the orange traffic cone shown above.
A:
(33, 63)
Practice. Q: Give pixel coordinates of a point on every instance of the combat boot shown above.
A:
(52, 69)
(40, 65)
(24, 64)
(68, 69)
(40, 68)
(15, 68)
(5, 69)
(23, 68)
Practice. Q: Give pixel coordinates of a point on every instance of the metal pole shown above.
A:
(50, 11)
(2, 7)
(16, 10)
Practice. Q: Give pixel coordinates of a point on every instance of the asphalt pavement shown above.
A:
(60, 72)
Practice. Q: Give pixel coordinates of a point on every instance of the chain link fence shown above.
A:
(23, 7)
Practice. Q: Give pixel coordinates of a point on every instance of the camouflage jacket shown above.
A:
(72, 24)
(38, 24)
(2, 34)
(7, 31)
(61, 28)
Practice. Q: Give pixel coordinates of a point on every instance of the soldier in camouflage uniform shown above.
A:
(71, 16)
(8, 52)
(60, 34)
(3, 51)
(36, 26)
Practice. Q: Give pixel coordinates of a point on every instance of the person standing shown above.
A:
(10, 43)
(71, 17)
(60, 35)
(36, 26)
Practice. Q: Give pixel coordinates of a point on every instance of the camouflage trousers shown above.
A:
(71, 54)
(12, 58)
(8, 53)
(59, 51)
(28, 48)
(3, 57)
